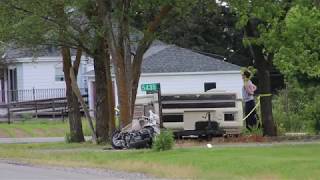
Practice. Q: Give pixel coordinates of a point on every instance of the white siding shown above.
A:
(90, 98)
(19, 76)
(40, 75)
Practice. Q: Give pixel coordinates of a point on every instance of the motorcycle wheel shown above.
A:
(116, 140)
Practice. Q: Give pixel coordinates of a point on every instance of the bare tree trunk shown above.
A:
(75, 123)
(105, 11)
(104, 106)
(77, 92)
(264, 87)
(102, 100)
(76, 132)
(110, 91)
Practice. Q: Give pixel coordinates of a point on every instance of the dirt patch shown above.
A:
(56, 132)
(3, 134)
(39, 133)
(20, 133)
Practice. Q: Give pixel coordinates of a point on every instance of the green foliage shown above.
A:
(288, 30)
(313, 113)
(265, 10)
(254, 131)
(299, 50)
(208, 28)
(297, 109)
(164, 141)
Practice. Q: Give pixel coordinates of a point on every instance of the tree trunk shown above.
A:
(75, 124)
(85, 108)
(264, 87)
(105, 11)
(110, 88)
(102, 102)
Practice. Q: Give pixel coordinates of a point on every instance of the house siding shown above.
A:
(19, 76)
(41, 75)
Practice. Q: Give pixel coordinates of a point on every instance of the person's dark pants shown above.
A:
(251, 121)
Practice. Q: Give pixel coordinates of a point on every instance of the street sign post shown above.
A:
(154, 88)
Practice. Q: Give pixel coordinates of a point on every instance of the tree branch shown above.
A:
(143, 46)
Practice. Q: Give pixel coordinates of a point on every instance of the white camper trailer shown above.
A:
(182, 112)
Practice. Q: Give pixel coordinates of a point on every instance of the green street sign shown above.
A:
(150, 87)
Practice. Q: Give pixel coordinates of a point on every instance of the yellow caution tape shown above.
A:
(258, 103)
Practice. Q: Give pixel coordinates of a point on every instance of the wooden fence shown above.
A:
(44, 107)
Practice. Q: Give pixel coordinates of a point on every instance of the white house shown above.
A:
(181, 71)
(29, 76)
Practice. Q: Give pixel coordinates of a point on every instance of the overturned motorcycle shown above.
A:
(138, 134)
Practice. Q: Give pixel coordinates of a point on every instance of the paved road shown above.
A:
(16, 171)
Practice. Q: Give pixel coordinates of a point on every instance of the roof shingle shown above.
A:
(176, 59)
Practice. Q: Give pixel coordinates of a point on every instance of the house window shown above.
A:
(172, 118)
(209, 85)
(59, 76)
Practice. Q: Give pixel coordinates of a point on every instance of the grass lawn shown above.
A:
(38, 128)
(276, 162)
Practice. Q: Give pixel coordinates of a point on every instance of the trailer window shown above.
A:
(229, 117)
(172, 118)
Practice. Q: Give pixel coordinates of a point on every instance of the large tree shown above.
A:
(255, 18)
(104, 99)
(284, 33)
(116, 18)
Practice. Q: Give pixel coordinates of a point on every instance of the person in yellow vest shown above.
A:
(248, 90)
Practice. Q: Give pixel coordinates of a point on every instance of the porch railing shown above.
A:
(34, 94)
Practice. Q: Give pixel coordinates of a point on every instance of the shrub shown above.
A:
(313, 113)
(297, 109)
(254, 131)
(164, 141)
